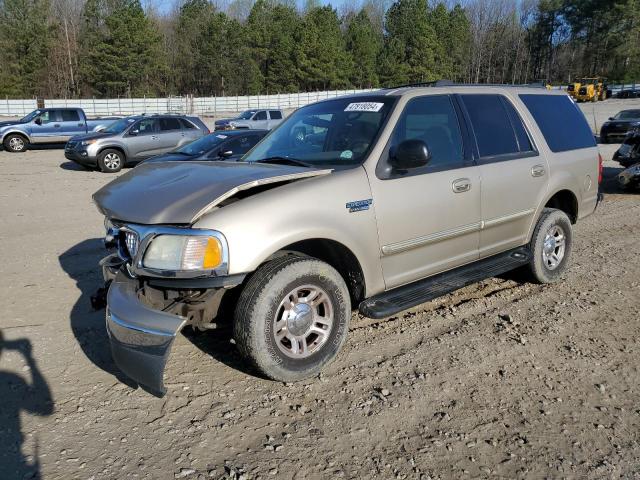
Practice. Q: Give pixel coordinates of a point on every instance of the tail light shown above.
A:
(599, 168)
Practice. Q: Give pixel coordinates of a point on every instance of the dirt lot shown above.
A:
(501, 379)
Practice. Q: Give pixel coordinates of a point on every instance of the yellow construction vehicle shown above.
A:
(573, 88)
(592, 90)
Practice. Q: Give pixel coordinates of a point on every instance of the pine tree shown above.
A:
(363, 44)
(25, 39)
(409, 52)
(322, 61)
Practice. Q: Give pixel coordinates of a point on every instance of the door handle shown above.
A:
(56, 125)
(537, 171)
(461, 185)
(154, 137)
(81, 124)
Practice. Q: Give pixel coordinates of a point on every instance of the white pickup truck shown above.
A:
(48, 125)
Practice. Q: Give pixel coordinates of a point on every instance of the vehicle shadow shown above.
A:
(72, 166)
(80, 262)
(17, 395)
(218, 343)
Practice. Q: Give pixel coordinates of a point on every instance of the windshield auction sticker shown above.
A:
(364, 107)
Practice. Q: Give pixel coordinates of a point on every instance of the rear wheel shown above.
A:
(110, 161)
(550, 246)
(292, 317)
(15, 143)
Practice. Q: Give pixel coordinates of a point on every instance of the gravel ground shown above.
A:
(502, 378)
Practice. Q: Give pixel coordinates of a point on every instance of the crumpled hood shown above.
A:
(180, 192)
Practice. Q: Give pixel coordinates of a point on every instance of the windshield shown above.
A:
(119, 126)
(31, 116)
(335, 132)
(628, 115)
(202, 145)
(246, 115)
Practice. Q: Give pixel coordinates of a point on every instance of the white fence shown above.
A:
(187, 104)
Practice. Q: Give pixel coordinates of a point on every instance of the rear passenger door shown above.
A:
(275, 117)
(71, 124)
(428, 217)
(170, 134)
(514, 174)
(189, 131)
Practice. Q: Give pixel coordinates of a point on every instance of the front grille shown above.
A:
(131, 242)
(71, 145)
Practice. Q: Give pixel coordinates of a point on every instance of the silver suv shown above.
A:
(375, 202)
(133, 139)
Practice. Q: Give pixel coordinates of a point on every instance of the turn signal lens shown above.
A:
(212, 254)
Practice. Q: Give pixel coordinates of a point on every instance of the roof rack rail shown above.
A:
(451, 83)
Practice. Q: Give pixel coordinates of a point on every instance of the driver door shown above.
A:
(428, 217)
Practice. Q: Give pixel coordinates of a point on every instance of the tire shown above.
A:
(279, 354)
(111, 161)
(15, 143)
(542, 267)
(604, 140)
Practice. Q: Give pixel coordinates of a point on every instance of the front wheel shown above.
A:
(292, 317)
(15, 143)
(550, 246)
(110, 161)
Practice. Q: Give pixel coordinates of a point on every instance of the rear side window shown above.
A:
(186, 124)
(275, 114)
(492, 126)
(524, 143)
(167, 124)
(561, 122)
(70, 116)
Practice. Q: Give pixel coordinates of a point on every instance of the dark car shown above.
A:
(629, 179)
(231, 145)
(629, 152)
(619, 125)
(628, 94)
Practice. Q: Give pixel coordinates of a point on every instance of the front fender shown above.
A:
(3, 134)
(316, 208)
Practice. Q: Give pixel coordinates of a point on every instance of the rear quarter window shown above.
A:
(561, 122)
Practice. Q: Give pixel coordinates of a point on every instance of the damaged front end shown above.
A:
(147, 307)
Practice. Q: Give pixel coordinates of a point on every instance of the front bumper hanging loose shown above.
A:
(140, 337)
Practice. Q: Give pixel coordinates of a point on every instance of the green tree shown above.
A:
(363, 44)
(411, 46)
(322, 60)
(122, 50)
(25, 39)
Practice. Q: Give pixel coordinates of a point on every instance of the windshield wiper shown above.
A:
(290, 161)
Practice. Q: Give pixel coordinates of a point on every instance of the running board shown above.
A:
(407, 296)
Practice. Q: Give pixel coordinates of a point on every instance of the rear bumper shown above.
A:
(140, 337)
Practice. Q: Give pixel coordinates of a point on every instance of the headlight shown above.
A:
(183, 253)
(85, 143)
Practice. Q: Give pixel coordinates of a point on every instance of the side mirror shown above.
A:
(610, 118)
(134, 132)
(38, 121)
(225, 154)
(409, 154)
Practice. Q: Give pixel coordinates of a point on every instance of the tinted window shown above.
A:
(275, 114)
(70, 116)
(186, 124)
(262, 115)
(491, 125)
(562, 123)
(241, 145)
(202, 145)
(169, 124)
(433, 120)
(146, 126)
(524, 143)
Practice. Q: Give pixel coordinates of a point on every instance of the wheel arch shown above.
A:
(564, 200)
(119, 148)
(15, 132)
(336, 254)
